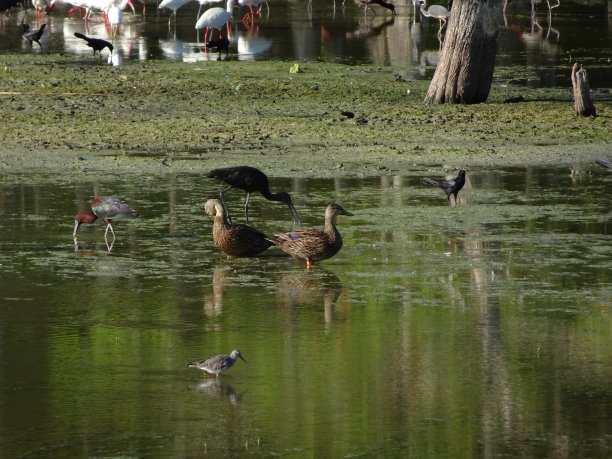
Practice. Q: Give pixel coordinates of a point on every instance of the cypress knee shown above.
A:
(583, 104)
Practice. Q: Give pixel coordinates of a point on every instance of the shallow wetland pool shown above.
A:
(481, 329)
(476, 329)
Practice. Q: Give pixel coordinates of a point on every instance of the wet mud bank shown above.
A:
(62, 114)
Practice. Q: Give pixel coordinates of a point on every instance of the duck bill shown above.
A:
(296, 216)
(350, 214)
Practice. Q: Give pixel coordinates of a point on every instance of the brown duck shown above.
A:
(313, 244)
(235, 240)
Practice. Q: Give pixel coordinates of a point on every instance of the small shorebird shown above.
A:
(217, 364)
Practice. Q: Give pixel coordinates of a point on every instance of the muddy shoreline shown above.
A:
(62, 114)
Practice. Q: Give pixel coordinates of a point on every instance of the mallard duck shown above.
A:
(235, 240)
(313, 244)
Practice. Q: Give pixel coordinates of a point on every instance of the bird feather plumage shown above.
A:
(97, 44)
(111, 207)
(251, 179)
(106, 207)
(217, 364)
(33, 36)
(235, 240)
(449, 186)
(314, 244)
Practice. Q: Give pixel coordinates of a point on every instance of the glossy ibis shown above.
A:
(251, 180)
(108, 208)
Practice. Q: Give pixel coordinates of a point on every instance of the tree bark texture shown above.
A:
(583, 104)
(465, 71)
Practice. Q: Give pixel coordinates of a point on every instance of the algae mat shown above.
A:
(67, 114)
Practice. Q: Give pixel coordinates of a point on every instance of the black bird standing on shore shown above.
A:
(250, 180)
(97, 44)
(33, 35)
(449, 186)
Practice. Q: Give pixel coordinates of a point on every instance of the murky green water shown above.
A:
(477, 330)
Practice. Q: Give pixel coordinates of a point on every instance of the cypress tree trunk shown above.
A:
(467, 60)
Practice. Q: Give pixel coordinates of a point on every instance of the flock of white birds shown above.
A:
(110, 16)
(214, 19)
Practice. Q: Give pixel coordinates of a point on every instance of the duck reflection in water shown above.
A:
(217, 388)
(309, 287)
(226, 275)
(213, 304)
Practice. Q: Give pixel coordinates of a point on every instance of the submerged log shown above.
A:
(583, 105)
